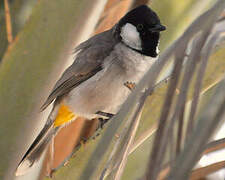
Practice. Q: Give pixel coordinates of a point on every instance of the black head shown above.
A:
(140, 30)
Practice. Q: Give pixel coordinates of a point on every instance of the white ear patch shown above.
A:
(130, 36)
(157, 48)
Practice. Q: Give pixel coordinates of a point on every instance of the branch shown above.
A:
(8, 22)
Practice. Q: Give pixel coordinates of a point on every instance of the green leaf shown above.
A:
(29, 70)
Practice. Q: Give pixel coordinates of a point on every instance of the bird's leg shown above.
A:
(102, 120)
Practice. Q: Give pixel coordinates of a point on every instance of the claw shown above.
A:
(130, 85)
(102, 122)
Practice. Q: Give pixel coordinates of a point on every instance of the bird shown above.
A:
(105, 70)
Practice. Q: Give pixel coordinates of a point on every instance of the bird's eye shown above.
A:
(140, 26)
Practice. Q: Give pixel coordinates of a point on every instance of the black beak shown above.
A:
(157, 28)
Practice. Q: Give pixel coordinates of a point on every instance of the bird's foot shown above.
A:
(102, 121)
(130, 85)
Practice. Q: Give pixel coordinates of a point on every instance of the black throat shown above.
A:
(149, 45)
(149, 42)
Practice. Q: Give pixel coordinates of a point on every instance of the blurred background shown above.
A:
(37, 40)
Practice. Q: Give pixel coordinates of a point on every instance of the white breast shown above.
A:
(106, 90)
(135, 63)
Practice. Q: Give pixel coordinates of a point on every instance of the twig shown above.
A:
(196, 174)
(205, 57)
(180, 104)
(207, 123)
(210, 147)
(204, 171)
(158, 148)
(180, 130)
(8, 22)
(142, 138)
(133, 130)
(121, 149)
(188, 74)
(154, 160)
(215, 146)
(145, 135)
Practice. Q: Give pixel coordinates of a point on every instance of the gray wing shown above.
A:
(87, 63)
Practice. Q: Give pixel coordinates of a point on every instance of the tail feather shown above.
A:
(36, 149)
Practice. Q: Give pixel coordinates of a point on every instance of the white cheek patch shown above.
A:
(157, 48)
(130, 36)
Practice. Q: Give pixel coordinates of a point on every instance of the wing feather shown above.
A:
(87, 63)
